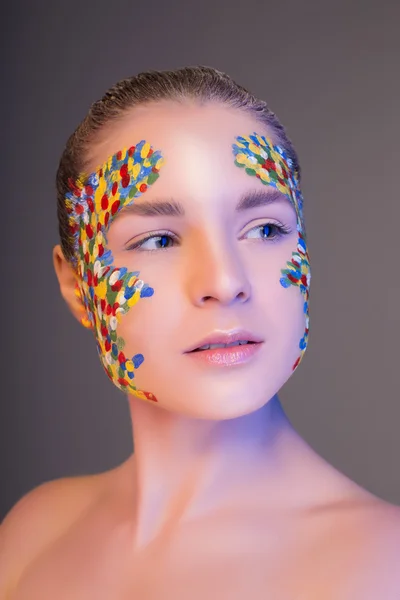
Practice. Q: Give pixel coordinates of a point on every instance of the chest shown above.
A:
(232, 559)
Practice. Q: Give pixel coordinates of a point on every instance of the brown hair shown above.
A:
(199, 82)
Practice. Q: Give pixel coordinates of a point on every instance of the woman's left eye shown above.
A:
(269, 231)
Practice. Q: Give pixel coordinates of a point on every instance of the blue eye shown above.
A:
(161, 238)
(270, 232)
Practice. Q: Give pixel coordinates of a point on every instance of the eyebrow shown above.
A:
(172, 208)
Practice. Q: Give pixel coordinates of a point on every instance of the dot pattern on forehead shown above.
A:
(109, 291)
(272, 166)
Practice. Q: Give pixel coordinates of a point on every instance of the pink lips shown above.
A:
(227, 357)
(226, 337)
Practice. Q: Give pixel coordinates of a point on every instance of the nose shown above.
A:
(215, 272)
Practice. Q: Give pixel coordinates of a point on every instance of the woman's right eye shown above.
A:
(152, 240)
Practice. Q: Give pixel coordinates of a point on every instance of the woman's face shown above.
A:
(208, 270)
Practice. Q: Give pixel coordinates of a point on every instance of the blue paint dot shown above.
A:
(128, 293)
(146, 291)
(114, 349)
(284, 282)
(137, 360)
(302, 244)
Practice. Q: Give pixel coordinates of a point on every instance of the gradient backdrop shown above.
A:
(330, 70)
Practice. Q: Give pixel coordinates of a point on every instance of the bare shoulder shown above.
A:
(369, 532)
(379, 536)
(39, 518)
(384, 523)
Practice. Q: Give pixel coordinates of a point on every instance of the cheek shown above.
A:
(281, 293)
(151, 325)
(283, 307)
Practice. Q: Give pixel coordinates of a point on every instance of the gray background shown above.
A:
(331, 72)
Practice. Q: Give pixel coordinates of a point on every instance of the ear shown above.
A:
(68, 279)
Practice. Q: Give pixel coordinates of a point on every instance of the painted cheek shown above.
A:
(270, 164)
(108, 291)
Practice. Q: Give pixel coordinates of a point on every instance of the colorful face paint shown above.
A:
(108, 291)
(271, 165)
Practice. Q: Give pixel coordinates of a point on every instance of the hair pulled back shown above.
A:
(201, 83)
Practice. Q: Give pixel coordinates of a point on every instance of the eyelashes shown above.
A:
(278, 232)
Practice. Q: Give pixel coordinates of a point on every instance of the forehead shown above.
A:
(196, 141)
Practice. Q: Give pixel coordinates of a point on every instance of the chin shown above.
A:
(218, 407)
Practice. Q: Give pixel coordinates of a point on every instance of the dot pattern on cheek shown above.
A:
(272, 166)
(109, 291)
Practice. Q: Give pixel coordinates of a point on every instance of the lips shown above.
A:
(226, 338)
(222, 346)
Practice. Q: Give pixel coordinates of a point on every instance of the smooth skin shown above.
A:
(222, 498)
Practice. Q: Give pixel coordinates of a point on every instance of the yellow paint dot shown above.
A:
(101, 290)
(241, 158)
(135, 170)
(132, 301)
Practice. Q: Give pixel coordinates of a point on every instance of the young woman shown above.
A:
(183, 249)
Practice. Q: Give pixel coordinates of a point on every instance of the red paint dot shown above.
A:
(103, 304)
(117, 286)
(150, 152)
(101, 250)
(121, 358)
(150, 396)
(296, 363)
(90, 204)
(115, 207)
(89, 277)
(106, 218)
(269, 164)
(104, 202)
(114, 188)
(89, 231)
(89, 190)
(119, 155)
(124, 170)
(131, 150)
(143, 187)
(123, 382)
(125, 181)
(79, 209)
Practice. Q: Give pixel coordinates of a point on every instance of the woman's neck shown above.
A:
(184, 468)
